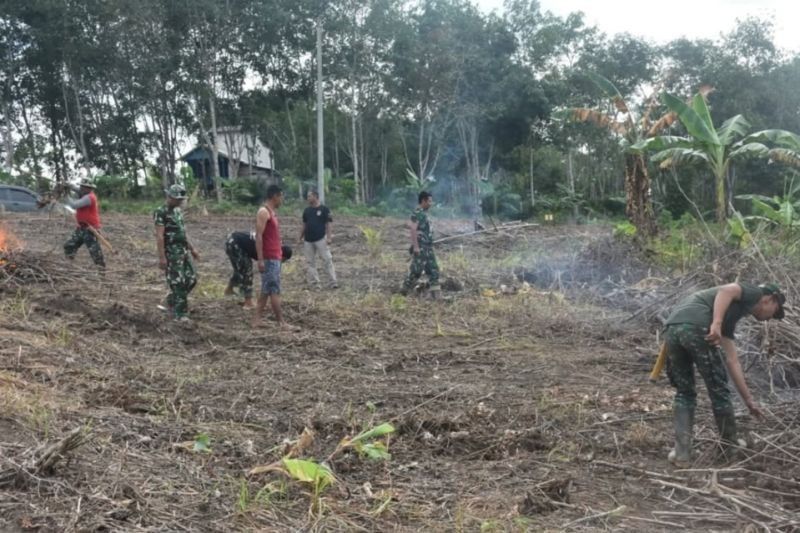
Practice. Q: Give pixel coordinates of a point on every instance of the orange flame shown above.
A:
(8, 241)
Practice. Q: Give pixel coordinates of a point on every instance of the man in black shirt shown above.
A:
(316, 237)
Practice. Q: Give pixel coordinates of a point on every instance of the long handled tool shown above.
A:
(660, 362)
(103, 241)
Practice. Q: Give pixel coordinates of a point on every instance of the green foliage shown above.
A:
(129, 207)
(113, 187)
(202, 443)
(247, 190)
(624, 230)
(365, 443)
(398, 303)
(707, 146)
(374, 241)
(681, 243)
(21, 180)
(502, 203)
(738, 231)
(485, 111)
(781, 211)
(317, 475)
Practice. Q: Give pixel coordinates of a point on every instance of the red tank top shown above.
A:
(271, 238)
(89, 215)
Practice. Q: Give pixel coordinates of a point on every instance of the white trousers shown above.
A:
(320, 248)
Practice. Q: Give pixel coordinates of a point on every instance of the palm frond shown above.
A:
(732, 128)
(785, 156)
(782, 138)
(610, 90)
(661, 142)
(694, 123)
(677, 156)
(664, 122)
(752, 149)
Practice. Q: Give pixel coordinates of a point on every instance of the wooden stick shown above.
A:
(660, 362)
(101, 238)
(468, 234)
(616, 511)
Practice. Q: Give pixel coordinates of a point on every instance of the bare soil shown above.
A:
(513, 412)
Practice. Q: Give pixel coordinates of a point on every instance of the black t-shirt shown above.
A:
(315, 219)
(247, 242)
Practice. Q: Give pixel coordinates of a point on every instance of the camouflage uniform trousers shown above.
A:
(181, 278)
(687, 347)
(424, 261)
(242, 263)
(80, 237)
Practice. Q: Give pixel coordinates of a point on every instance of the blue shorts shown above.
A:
(271, 277)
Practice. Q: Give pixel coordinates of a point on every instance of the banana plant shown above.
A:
(704, 145)
(783, 211)
(622, 121)
(780, 146)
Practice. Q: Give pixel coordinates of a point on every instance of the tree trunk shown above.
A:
(214, 149)
(8, 140)
(722, 198)
(571, 176)
(37, 167)
(638, 201)
(336, 170)
(356, 178)
(530, 176)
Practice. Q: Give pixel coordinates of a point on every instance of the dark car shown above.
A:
(13, 198)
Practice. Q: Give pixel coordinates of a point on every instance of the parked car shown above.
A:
(13, 198)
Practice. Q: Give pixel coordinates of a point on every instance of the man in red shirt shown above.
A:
(268, 256)
(87, 215)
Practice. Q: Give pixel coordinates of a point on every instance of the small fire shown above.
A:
(8, 243)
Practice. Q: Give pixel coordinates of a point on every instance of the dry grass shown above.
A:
(492, 396)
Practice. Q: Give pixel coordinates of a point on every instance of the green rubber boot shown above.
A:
(681, 454)
(726, 424)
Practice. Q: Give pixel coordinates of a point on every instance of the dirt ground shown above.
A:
(513, 412)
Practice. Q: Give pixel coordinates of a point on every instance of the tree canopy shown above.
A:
(466, 101)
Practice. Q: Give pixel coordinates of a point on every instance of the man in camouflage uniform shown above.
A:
(240, 247)
(700, 333)
(422, 257)
(87, 215)
(173, 252)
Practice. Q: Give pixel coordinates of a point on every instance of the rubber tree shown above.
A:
(704, 144)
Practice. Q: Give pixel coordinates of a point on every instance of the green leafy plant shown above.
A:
(624, 229)
(365, 443)
(374, 240)
(783, 211)
(738, 231)
(317, 475)
(398, 303)
(705, 145)
(202, 443)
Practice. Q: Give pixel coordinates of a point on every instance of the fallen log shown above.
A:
(492, 230)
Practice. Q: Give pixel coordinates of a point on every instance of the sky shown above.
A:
(684, 18)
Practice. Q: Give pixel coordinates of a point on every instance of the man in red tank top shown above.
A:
(87, 215)
(269, 255)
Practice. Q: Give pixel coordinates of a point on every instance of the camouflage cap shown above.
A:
(176, 191)
(87, 184)
(772, 289)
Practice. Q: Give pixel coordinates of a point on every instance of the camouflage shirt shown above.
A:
(172, 220)
(424, 229)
